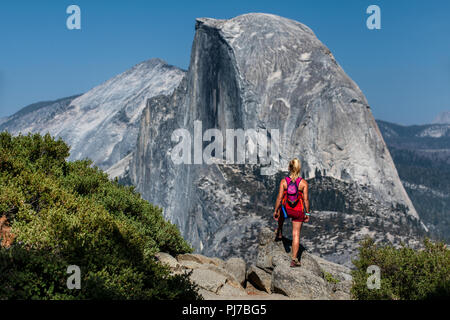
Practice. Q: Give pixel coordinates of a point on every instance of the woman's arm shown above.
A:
(305, 196)
(279, 198)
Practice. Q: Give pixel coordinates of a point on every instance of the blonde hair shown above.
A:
(294, 169)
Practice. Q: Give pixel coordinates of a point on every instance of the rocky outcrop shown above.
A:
(315, 279)
(270, 277)
(215, 278)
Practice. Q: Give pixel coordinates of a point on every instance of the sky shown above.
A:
(403, 68)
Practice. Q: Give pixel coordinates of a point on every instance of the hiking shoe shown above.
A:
(295, 263)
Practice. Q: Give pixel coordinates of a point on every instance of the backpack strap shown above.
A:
(297, 182)
(288, 180)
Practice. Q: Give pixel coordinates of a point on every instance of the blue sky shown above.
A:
(403, 69)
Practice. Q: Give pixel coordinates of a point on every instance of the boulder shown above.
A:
(264, 256)
(252, 290)
(272, 272)
(307, 260)
(266, 236)
(341, 290)
(272, 253)
(338, 271)
(230, 290)
(168, 260)
(208, 295)
(214, 277)
(237, 268)
(208, 279)
(200, 259)
(186, 264)
(341, 295)
(299, 283)
(344, 285)
(270, 277)
(259, 278)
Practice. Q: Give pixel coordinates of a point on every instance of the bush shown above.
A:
(405, 273)
(69, 213)
(329, 278)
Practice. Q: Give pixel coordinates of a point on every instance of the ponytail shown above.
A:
(294, 169)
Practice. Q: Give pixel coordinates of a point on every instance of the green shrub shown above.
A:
(405, 273)
(329, 278)
(69, 213)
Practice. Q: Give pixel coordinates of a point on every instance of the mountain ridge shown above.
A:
(102, 123)
(423, 164)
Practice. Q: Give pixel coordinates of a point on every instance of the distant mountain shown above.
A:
(101, 124)
(423, 164)
(402, 134)
(35, 115)
(443, 117)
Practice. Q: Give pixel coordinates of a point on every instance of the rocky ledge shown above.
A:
(269, 277)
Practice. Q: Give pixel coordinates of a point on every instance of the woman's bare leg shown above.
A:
(280, 225)
(296, 227)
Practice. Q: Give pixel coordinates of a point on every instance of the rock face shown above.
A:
(101, 124)
(260, 71)
(270, 278)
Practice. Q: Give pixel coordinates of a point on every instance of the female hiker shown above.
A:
(292, 200)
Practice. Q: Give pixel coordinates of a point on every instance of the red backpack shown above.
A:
(293, 199)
